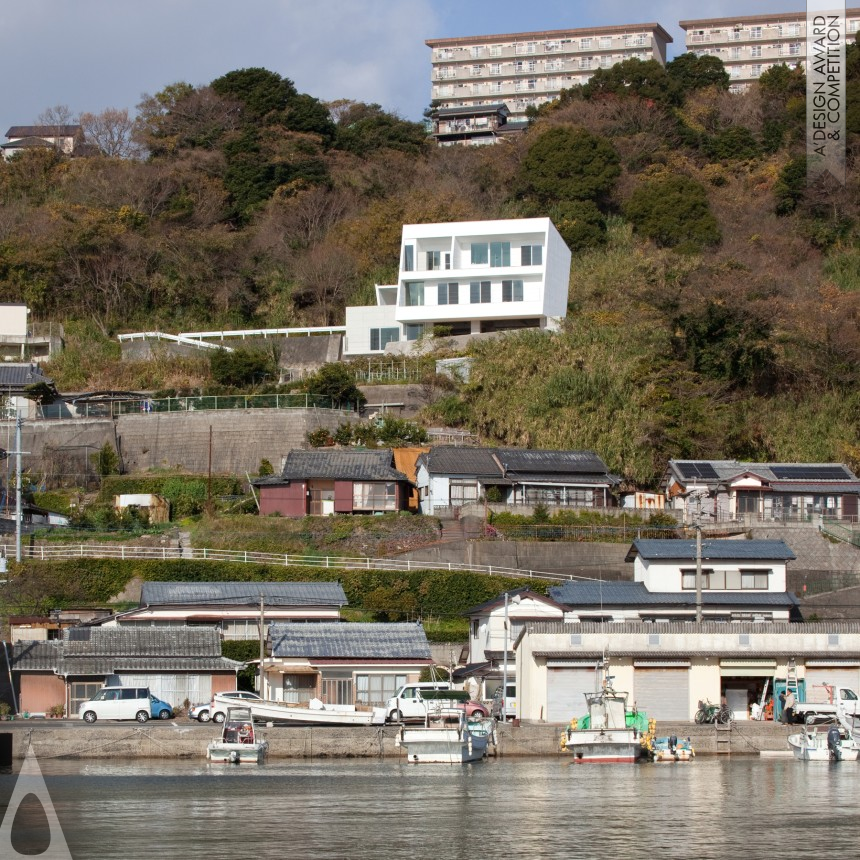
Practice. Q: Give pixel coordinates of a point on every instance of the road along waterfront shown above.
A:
(716, 807)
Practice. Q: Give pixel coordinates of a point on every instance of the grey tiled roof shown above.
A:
(524, 460)
(635, 594)
(454, 460)
(19, 376)
(340, 465)
(112, 649)
(685, 550)
(363, 641)
(243, 593)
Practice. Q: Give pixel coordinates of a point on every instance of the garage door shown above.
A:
(662, 692)
(566, 689)
(838, 676)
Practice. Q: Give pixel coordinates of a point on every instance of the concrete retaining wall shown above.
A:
(118, 741)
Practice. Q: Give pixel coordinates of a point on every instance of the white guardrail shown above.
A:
(122, 552)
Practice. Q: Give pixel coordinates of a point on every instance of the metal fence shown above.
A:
(124, 553)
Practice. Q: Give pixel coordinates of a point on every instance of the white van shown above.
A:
(407, 704)
(117, 703)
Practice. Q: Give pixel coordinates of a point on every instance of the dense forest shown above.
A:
(714, 294)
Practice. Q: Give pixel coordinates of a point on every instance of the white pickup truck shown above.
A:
(824, 702)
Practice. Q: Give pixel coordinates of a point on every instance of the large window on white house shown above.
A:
(408, 258)
(299, 688)
(379, 337)
(480, 253)
(726, 580)
(434, 260)
(500, 254)
(531, 255)
(449, 294)
(377, 689)
(414, 294)
(755, 579)
(512, 291)
(479, 292)
(374, 496)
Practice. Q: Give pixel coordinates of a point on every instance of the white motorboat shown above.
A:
(313, 713)
(239, 742)
(447, 736)
(610, 732)
(824, 743)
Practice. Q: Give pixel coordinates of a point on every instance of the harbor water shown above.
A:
(535, 808)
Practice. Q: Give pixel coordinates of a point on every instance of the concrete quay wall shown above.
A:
(118, 741)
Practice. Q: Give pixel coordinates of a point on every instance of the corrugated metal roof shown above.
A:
(243, 593)
(685, 550)
(341, 465)
(635, 594)
(373, 641)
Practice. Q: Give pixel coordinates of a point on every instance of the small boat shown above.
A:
(239, 741)
(610, 732)
(314, 713)
(671, 749)
(824, 743)
(447, 736)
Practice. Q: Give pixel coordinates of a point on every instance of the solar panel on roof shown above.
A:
(698, 470)
(811, 473)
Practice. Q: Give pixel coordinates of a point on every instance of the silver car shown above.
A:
(207, 711)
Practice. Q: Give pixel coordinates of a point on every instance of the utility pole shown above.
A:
(18, 515)
(698, 573)
(262, 645)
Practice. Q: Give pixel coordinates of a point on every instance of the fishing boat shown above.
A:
(239, 742)
(671, 749)
(314, 713)
(447, 736)
(610, 732)
(824, 743)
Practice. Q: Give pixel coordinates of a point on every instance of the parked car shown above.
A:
(510, 707)
(118, 703)
(159, 709)
(410, 701)
(208, 710)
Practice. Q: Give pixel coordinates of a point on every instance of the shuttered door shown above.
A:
(566, 688)
(837, 676)
(664, 694)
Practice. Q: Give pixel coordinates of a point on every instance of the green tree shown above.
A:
(691, 72)
(566, 164)
(262, 93)
(581, 224)
(674, 212)
(336, 381)
(106, 460)
(186, 497)
(647, 79)
(363, 129)
(242, 367)
(734, 143)
(789, 187)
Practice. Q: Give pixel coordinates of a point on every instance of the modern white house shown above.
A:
(470, 277)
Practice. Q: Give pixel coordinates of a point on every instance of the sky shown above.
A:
(89, 55)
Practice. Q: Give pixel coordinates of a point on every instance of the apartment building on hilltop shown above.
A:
(750, 45)
(472, 277)
(523, 69)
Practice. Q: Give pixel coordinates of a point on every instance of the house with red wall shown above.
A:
(333, 481)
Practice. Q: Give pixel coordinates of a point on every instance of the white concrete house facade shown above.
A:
(667, 668)
(472, 277)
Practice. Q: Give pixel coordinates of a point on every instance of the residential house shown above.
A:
(16, 387)
(41, 628)
(176, 663)
(667, 668)
(64, 138)
(474, 125)
(334, 481)
(742, 580)
(346, 664)
(450, 477)
(24, 340)
(523, 70)
(235, 609)
(494, 627)
(466, 278)
(760, 492)
(749, 45)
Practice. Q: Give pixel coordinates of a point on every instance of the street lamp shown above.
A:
(515, 599)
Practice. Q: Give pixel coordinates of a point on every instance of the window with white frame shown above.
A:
(519, 66)
(377, 689)
(476, 71)
(755, 32)
(585, 44)
(531, 84)
(853, 25)
(476, 51)
(512, 291)
(336, 688)
(477, 89)
(495, 68)
(549, 47)
(606, 43)
(434, 260)
(447, 72)
(449, 294)
(495, 50)
(500, 254)
(479, 292)
(606, 62)
(444, 54)
(755, 51)
(554, 65)
(735, 52)
(380, 337)
(462, 492)
(755, 71)
(755, 579)
(374, 496)
(299, 689)
(794, 49)
(531, 48)
(735, 71)
(585, 62)
(495, 86)
(734, 35)
(414, 294)
(531, 66)
(531, 255)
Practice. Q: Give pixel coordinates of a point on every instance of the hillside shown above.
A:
(714, 296)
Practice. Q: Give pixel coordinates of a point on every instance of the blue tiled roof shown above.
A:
(365, 641)
(685, 550)
(635, 594)
(243, 593)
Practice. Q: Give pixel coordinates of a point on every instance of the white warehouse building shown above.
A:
(472, 277)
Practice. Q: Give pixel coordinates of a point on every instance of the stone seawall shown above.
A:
(189, 740)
